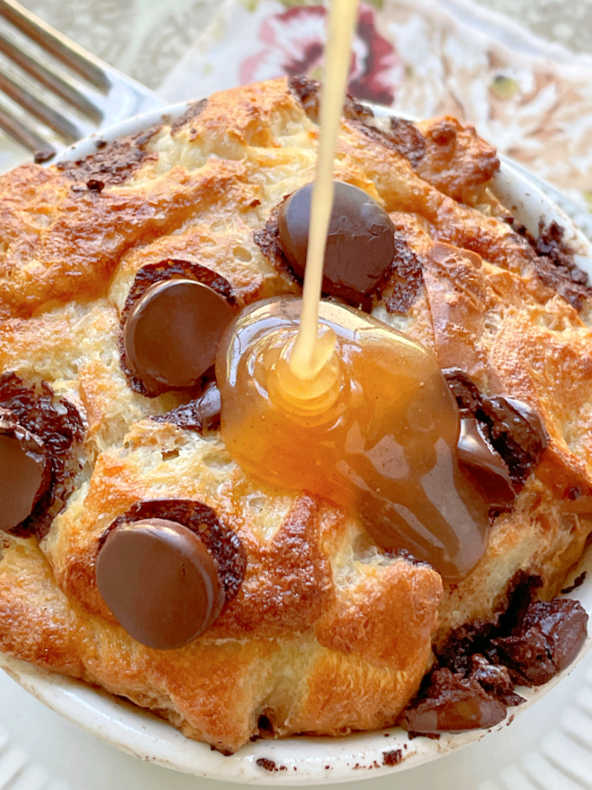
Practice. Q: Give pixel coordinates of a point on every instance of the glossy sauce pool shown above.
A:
(383, 446)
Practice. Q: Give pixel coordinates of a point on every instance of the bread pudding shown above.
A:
(295, 619)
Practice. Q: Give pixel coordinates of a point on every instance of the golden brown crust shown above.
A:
(326, 634)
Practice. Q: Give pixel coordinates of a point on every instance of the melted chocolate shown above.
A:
(509, 426)
(516, 432)
(451, 702)
(56, 423)
(115, 162)
(495, 679)
(545, 641)
(24, 472)
(222, 543)
(554, 262)
(149, 275)
(201, 415)
(405, 278)
(160, 581)
(407, 139)
(360, 241)
(484, 465)
(528, 643)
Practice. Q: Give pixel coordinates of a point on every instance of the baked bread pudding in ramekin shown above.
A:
(288, 617)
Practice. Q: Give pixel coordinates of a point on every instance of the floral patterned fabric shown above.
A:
(531, 98)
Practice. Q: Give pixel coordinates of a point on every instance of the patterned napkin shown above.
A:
(531, 98)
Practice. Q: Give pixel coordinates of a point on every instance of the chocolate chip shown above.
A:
(222, 543)
(451, 702)
(57, 424)
(24, 472)
(160, 582)
(153, 274)
(360, 243)
(484, 465)
(172, 334)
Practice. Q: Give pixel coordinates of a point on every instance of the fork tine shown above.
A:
(25, 136)
(39, 109)
(54, 42)
(56, 83)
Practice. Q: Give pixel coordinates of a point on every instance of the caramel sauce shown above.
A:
(380, 440)
(323, 398)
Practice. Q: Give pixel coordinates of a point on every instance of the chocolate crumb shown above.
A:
(448, 701)
(266, 764)
(435, 736)
(95, 185)
(393, 757)
(44, 155)
(577, 582)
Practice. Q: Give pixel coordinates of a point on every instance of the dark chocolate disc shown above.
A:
(485, 466)
(360, 243)
(24, 473)
(172, 334)
(160, 581)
